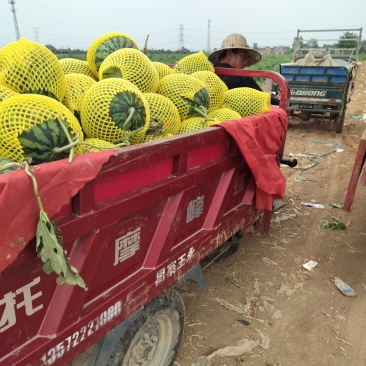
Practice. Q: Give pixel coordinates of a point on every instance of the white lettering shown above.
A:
(195, 208)
(308, 93)
(127, 246)
(8, 319)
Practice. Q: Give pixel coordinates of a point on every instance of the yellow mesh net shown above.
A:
(187, 93)
(163, 113)
(215, 86)
(195, 62)
(112, 109)
(73, 65)
(76, 87)
(193, 124)
(222, 115)
(101, 144)
(247, 101)
(29, 67)
(132, 65)
(162, 69)
(153, 136)
(5, 92)
(30, 126)
(104, 46)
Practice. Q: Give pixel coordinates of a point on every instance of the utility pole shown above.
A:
(35, 31)
(208, 46)
(12, 3)
(181, 37)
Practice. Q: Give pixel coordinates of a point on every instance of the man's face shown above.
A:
(237, 60)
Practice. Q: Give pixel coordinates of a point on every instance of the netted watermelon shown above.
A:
(94, 145)
(215, 86)
(187, 93)
(162, 69)
(155, 136)
(29, 67)
(195, 62)
(131, 65)
(193, 124)
(76, 87)
(33, 126)
(222, 115)
(73, 65)
(247, 101)
(164, 115)
(6, 92)
(113, 109)
(104, 45)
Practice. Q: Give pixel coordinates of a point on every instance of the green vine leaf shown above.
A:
(48, 244)
(50, 251)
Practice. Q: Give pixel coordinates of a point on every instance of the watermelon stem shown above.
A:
(35, 184)
(203, 112)
(70, 146)
(11, 165)
(125, 140)
(48, 243)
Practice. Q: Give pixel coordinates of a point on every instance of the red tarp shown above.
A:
(259, 138)
(57, 181)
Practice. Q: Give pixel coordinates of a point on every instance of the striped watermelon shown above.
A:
(104, 45)
(30, 127)
(113, 109)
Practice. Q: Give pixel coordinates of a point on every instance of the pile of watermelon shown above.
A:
(117, 97)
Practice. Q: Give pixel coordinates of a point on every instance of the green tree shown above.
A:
(346, 40)
(312, 43)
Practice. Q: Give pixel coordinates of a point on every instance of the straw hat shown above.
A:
(238, 41)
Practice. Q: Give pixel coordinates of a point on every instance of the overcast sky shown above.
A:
(171, 24)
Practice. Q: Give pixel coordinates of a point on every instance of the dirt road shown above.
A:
(281, 313)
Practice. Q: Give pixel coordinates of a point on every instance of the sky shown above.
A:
(194, 24)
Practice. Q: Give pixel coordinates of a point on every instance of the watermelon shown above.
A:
(164, 115)
(5, 92)
(155, 136)
(113, 109)
(30, 127)
(132, 65)
(188, 94)
(5, 161)
(98, 145)
(76, 87)
(193, 124)
(76, 66)
(104, 46)
(29, 67)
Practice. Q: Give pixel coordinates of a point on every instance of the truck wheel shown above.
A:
(154, 338)
(340, 120)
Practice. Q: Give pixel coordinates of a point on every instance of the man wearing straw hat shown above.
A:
(235, 53)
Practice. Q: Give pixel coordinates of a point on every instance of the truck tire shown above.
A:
(154, 338)
(340, 120)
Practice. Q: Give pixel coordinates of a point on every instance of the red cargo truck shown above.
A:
(134, 221)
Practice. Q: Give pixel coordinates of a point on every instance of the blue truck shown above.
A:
(321, 80)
